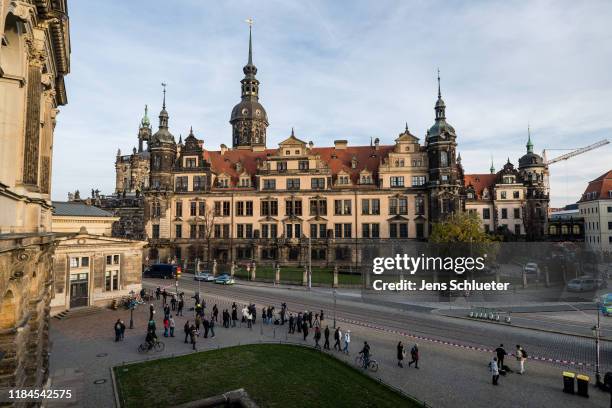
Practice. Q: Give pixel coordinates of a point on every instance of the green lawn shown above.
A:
(324, 276)
(274, 375)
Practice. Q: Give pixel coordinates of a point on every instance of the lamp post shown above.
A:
(132, 306)
(309, 263)
(334, 292)
(596, 333)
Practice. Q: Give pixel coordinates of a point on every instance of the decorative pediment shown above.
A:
(317, 218)
(397, 218)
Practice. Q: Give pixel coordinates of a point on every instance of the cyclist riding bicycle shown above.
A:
(151, 339)
(366, 354)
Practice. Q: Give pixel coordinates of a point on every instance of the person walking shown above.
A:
(347, 341)
(211, 327)
(316, 320)
(299, 322)
(317, 337)
(321, 316)
(187, 329)
(181, 304)
(215, 313)
(198, 322)
(166, 326)
(264, 319)
(326, 335)
(157, 293)
(337, 337)
(305, 329)
(234, 315)
(166, 312)
(206, 325)
(501, 354)
(249, 319)
(151, 311)
(414, 355)
(172, 324)
(400, 354)
(494, 369)
(118, 330)
(521, 356)
(122, 329)
(173, 303)
(164, 296)
(283, 312)
(193, 332)
(291, 323)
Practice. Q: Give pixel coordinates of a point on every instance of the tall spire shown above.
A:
(250, 22)
(145, 122)
(163, 115)
(492, 169)
(407, 131)
(292, 132)
(440, 106)
(529, 144)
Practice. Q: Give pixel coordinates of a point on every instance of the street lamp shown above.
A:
(309, 263)
(334, 292)
(596, 334)
(132, 306)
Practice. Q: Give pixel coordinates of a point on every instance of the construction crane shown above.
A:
(574, 152)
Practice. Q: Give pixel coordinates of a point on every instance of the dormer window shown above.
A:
(508, 179)
(470, 195)
(245, 182)
(287, 152)
(366, 179)
(223, 182)
(191, 162)
(399, 163)
(343, 180)
(443, 159)
(297, 152)
(239, 166)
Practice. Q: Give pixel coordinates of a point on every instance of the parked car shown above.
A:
(531, 268)
(582, 285)
(162, 271)
(225, 279)
(204, 277)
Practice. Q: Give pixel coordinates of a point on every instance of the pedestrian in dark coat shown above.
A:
(122, 329)
(211, 327)
(118, 330)
(321, 315)
(173, 302)
(305, 329)
(501, 354)
(164, 295)
(299, 322)
(317, 337)
(291, 323)
(326, 334)
(151, 311)
(337, 337)
(192, 334)
(414, 354)
(400, 354)
(157, 293)
(187, 329)
(234, 314)
(181, 304)
(166, 312)
(206, 324)
(215, 313)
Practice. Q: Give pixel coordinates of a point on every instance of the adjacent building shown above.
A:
(90, 267)
(34, 58)
(566, 224)
(595, 207)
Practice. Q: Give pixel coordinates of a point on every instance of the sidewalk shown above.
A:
(84, 351)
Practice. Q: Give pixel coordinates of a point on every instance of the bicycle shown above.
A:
(157, 346)
(372, 364)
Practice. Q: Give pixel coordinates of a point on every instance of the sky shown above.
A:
(342, 70)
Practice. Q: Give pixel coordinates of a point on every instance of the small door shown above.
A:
(79, 290)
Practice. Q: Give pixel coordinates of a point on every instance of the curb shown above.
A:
(115, 389)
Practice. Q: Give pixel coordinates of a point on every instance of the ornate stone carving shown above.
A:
(22, 10)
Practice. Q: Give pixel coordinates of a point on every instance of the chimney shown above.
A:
(376, 143)
(223, 149)
(340, 144)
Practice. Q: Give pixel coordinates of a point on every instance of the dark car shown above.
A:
(161, 271)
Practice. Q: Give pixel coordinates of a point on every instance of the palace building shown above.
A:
(298, 201)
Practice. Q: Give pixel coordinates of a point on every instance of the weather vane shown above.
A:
(249, 21)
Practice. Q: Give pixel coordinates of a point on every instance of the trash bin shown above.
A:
(583, 385)
(568, 382)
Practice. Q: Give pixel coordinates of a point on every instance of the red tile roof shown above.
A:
(337, 159)
(601, 186)
(479, 182)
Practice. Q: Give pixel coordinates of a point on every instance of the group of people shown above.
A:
(401, 354)
(497, 366)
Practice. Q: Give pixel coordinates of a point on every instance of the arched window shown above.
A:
(552, 230)
(443, 159)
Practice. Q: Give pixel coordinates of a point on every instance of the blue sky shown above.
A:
(342, 70)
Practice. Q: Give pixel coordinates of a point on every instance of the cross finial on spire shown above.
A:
(163, 84)
(529, 144)
(292, 132)
(191, 130)
(406, 127)
(250, 21)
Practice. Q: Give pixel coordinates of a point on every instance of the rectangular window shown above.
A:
(240, 208)
(303, 165)
(217, 231)
(338, 230)
(392, 230)
(398, 206)
(515, 194)
(265, 231)
(365, 207)
(202, 231)
(111, 280)
(192, 208)
(269, 184)
(281, 166)
(418, 181)
(403, 230)
(486, 213)
(202, 208)
(503, 195)
(317, 183)
(517, 213)
(179, 230)
(365, 230)
(74, 262)
(179, 209)
(109, 260)
(342, 207)
(517, 229)
(397, 181)
(610, 225)
(289, 231)
(181, 183)
(217, 208)
(313, 230)
(193, 231)
(84, 262)
(240, 231)
(155, 231)
(269, 208)
(348, 230)
(190, 162)
(199, 183)
(419, 205)
(504, 213)
(226, 208)
(293, 184)
(293, 207)
(226, 230)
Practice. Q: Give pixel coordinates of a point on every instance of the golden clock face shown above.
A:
(257, 113)
(245, 111)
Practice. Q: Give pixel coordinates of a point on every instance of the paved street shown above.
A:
(83, 349)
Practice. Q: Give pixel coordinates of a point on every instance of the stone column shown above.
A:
(305, 276)
(233, 268)
(214, 267)
(277, 275)
(31, 150)
(253, 271)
